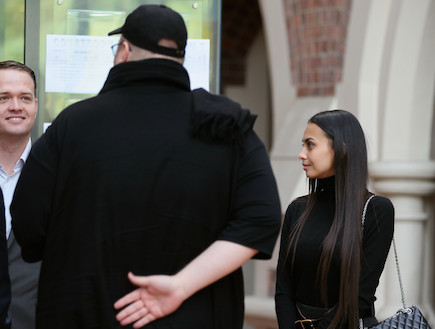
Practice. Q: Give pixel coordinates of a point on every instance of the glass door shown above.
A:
(12, 30)
(66, 40)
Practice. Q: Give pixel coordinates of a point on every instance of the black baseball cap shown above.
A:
(148, 24)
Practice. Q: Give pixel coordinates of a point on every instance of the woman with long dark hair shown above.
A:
(329, 265)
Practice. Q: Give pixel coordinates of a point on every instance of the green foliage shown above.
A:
(12, 30)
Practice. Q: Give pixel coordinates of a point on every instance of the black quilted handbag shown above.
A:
(406, 317)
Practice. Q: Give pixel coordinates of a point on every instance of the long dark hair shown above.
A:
(351, 176)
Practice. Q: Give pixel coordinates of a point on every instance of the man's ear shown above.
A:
(123, 53)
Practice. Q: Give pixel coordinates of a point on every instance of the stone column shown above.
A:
(410, 186)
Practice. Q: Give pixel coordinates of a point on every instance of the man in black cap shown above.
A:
(157, 29)
(148, 178)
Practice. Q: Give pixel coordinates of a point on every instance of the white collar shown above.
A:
(26, 151)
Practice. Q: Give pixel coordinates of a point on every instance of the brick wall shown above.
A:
(317, 35)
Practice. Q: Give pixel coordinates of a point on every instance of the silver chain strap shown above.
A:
(364, 211)
(402, 291)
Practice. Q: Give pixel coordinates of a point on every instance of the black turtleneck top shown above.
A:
(301, 282)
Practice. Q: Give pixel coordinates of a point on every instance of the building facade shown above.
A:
(375, 59)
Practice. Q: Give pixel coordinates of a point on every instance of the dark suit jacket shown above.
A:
(5, 288)
(24, 286)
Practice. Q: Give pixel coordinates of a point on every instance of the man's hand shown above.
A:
(156, 297)
(160, 295)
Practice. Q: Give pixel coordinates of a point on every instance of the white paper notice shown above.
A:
(77, 64)
(46, 125)
(197, 63)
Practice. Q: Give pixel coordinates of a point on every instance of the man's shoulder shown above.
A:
(210, 102)
(81, 110)
(218, 119)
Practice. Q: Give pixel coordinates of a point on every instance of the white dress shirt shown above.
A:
(9, 182)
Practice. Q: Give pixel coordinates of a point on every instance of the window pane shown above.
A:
(12, 30)
(76, 23)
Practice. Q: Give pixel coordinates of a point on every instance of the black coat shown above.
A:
(142, 178)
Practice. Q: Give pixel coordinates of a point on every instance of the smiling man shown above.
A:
(18, 109)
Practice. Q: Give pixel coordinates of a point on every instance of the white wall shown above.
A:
(255, 94)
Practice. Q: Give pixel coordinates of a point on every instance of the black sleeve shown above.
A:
(255, 219)
(377, 236)
(284, 305)
(31, 205)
